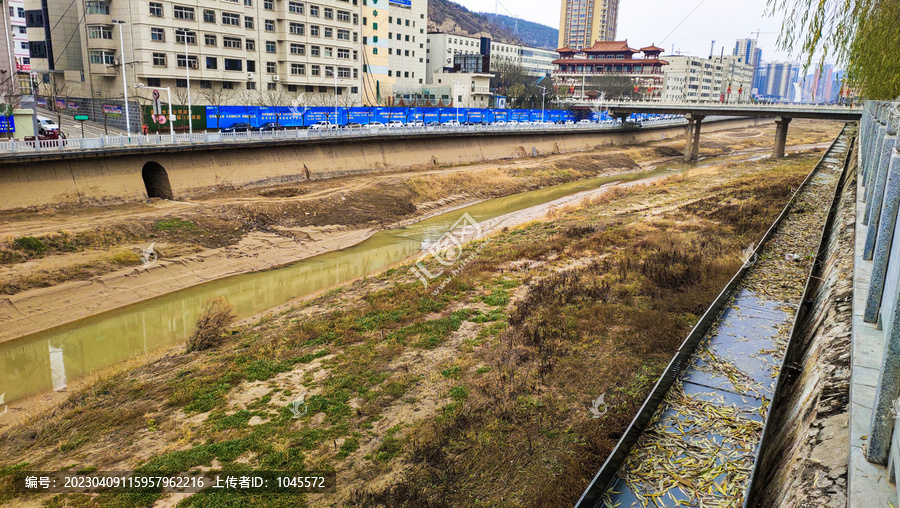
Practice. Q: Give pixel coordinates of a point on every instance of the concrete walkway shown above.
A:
(867, 483)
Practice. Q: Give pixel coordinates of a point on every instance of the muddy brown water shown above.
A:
(48, 360)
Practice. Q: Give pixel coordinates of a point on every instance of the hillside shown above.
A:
(450, 17)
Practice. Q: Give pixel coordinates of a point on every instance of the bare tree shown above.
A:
(9, 100)
(276, 100)
(326, 102)
(56, 88)
(216, 98)
(250, 100)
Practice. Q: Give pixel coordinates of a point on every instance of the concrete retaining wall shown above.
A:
(69, 178)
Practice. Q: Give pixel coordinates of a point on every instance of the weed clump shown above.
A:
(30, 244)
(215, 316)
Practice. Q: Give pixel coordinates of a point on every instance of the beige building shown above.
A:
(692, 79)
(470, 90)
(583, 22)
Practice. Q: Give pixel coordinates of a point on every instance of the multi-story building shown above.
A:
(779, 80)
(394, 48)
(582, 22)
(748, 52)
(576, 69)
(720, 79)
(19, 35)
(470, 89)
(442, 48)
(7, 53)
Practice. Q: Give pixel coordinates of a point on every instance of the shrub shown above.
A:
(30, 244)
(126, 258)
(215, 316)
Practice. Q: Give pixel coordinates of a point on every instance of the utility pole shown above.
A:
(121, 24)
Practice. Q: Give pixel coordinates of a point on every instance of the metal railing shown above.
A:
(879, 174)
(202, 138)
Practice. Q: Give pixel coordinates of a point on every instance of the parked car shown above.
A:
(585, 122)
(271, 126)
(46, 126)
(395, 124)
(354, 125)
(239, 127)
(374, 125)
(323, 125)
(452, 123)
(416, 123)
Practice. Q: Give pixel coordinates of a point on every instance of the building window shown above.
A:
(298, 49)
(186, 37)
(343, 16)
(314, 10)
(248, 3)
(342, 35)
(181, 83)
(251, 85)
(271, 86)
(251, 65)
(158, 34)
(205, 84)
(248, 22)
(212, 62)
(269, 5)
(315, 50)
(38, 49)
(250, 44)
(297, 28)
(227, 85)
(315, 70)
(154, 82)
(314, 30)
(96, 7)
(183, 61)
(210, 39)
(298, 69)
(328, 53)
(231, 19)
(270, 25)
(295, 7)
(181, 12)
(271, 67)
(103, 57)
(234, 64)
(328, 13)
(343, 53)
(159, 59)
(231, 42)
(156, 9)
(100, 32)
(343, 72)
(270, 46)
(209, 16)
(329, 32)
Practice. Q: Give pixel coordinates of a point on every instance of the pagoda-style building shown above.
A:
(575, 68)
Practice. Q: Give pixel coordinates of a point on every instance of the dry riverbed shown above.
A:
(479, 393)
(59, 265)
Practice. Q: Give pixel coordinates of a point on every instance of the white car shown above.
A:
(585, 122)
(452, 123)
(374, 125)
(395, 124)
(416, 123)
(499, 122)
(323, 125)
(46, 126)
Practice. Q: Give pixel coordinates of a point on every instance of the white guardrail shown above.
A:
(139, 140)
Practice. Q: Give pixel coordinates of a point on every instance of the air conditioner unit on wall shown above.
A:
(276, 78)
(249, 75)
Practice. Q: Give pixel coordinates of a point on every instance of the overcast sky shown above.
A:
(644, 22)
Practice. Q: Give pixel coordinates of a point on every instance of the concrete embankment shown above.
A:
(184, 172)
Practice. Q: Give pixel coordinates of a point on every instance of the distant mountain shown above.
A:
(450, 17)
(530, 33)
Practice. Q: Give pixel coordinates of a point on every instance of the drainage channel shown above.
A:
(695, 440)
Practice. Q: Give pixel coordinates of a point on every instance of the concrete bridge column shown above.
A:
(692, 144)
(781, 130)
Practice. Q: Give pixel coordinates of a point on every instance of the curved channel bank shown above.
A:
(47, 360)
(179, 172)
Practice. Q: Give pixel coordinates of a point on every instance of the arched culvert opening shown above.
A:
(156, 180)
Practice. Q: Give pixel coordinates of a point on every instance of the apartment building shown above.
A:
(583, 22)
(442, 48)
(19, 39)
(720, 79)
(227, 50)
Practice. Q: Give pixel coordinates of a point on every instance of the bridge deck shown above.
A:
(843, 113)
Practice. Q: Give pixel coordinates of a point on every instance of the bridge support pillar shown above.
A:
(781, 130)
(692, 143)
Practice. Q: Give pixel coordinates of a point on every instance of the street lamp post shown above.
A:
(187, 71)
(456, 98)
(121, 24)
(543, 97)
(334, 72)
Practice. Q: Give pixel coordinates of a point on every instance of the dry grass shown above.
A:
(216, 315)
